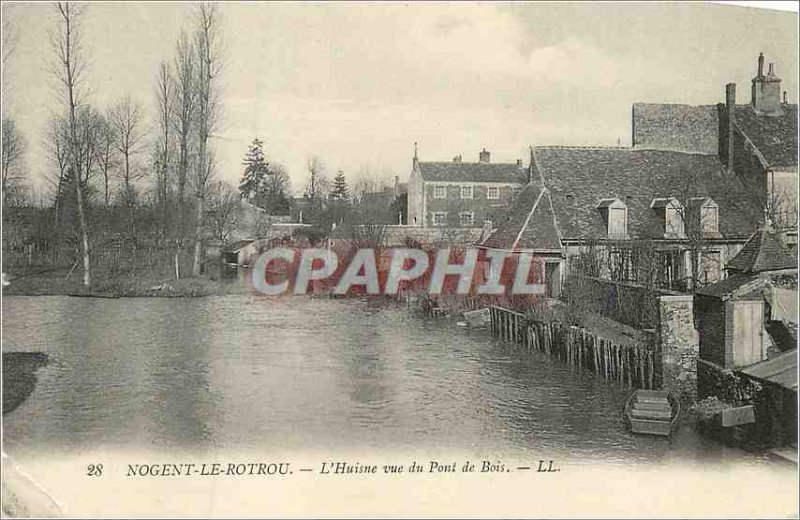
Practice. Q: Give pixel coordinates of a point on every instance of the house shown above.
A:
(747, 327)
(387, 206)
(752, 314)
(461, 194)
(757, 141)
(680, 203)
(238, 253)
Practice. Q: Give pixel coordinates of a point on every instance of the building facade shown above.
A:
(459, 194)
(757, 141)
(675, 217)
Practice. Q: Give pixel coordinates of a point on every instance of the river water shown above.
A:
(245, 372)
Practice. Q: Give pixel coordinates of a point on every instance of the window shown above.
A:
(439, 218)
(466, 192)
(488, 224)
(615, 217)
(492, 192)
(671, 214)
(466, 218)
(709, 217)
(710, 265)
(439, 192)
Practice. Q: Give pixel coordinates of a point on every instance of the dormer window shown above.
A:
(704, 214)
(670, 213)
(615, 217)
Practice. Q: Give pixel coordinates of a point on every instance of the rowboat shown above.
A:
(652, 412)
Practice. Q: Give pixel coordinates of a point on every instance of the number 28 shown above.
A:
(94, 470)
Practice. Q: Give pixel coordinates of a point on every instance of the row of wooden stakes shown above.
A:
(632, 364)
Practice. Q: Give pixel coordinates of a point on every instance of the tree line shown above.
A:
(127, 189)
(118, 180)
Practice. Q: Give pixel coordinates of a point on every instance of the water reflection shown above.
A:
(241, 371)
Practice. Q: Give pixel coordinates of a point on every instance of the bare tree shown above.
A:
(368, 181)
(317, 182)
(90, 136)
(223, 211)
(780, 210)
(12, 148)
(164, 102)
(106, 154)
(182, 116)
(71, 66)
(126, 120)
(57, 144)
(207, 48)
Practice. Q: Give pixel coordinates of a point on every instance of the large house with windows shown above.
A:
(757, 141)
(462, 194)
(694, 186)
(611, 198)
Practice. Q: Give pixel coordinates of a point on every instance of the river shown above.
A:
(246, 372)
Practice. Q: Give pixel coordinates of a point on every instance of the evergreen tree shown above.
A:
(339, 190)
(256, 170)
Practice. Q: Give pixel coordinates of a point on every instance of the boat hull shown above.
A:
(641, 421)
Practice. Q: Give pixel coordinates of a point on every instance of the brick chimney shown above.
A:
(415, 161)
(730, 109)
(484, 156)
(766, 90)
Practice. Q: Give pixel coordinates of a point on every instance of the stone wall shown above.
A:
(678, 341)
(775, 408)
(400, 235)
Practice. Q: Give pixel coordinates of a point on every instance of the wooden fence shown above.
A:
(633, 364)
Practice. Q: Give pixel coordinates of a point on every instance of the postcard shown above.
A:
(384, 259)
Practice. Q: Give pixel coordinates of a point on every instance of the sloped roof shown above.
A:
(774, 136)
(780, 370)
(234, 247)
(472, 172)
(578, 177)
(670, 126)
(530, 226)
(732, 284)
(763, 251)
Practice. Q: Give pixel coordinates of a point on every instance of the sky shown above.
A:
(357, 84)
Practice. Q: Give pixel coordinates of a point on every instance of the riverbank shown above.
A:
(19, 377)
(145, 285)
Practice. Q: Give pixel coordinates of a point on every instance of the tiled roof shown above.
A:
(472, 172)
(780, 370)
(530, 226)
(730, 285)
(669, 126)
(763, 251)
(774, 136)
(577, 178)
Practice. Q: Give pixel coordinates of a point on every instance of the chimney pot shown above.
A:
(484, 156)
(760, 64)
(784, 98)
(771, 69)
(730, 110)
(730, 95)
